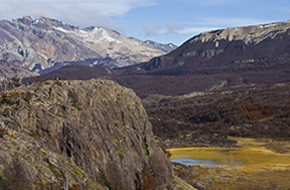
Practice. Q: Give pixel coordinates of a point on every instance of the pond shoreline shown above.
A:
(262, 165)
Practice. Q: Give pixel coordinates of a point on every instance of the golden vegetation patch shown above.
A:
(263, 164)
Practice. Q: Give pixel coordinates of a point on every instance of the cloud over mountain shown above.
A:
(78, 12)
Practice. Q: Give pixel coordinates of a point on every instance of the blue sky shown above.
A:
(159, 20)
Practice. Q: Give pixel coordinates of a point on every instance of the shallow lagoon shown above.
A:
(251, 165)
(208, 163)
(251, 155)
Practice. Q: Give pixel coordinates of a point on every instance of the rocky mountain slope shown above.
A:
(78, 135)
(40, 44)
(216, 59)
(8, 70)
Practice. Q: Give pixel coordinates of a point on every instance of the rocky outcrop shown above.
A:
(92, 134)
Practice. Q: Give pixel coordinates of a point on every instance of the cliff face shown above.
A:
(93, 133)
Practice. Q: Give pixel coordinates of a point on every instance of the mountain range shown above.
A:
(213, 60)
(45, 44)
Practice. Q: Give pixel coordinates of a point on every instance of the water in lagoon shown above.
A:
(208, 163)
(186, 161)
(226, 161)
(251, 155)
(257, 165)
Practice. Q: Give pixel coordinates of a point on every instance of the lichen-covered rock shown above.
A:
(83, 132)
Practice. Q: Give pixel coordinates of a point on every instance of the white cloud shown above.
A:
(77, 12)
(194, 30)
(228, 22)
(152, 29)
(202, 25)
(213, 23)
(172, 27)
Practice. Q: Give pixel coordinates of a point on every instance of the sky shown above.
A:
(164, 21)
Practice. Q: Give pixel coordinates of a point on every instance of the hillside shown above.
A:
(8, 70)
(207, 119)
(80, 135)
(216, 59)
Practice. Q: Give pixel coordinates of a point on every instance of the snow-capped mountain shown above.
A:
(46, 44)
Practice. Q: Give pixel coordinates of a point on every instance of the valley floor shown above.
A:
(265, 165)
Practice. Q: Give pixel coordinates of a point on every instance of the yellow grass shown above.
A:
(262, 167)
(252, 153)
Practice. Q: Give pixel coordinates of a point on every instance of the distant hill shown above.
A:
(45, 44)
(75, 72)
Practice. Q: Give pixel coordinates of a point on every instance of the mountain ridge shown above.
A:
(45, 43)
(207, 60)
(204, 63)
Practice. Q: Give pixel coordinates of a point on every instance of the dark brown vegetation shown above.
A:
(258, 111)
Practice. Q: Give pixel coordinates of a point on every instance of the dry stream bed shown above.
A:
(255, 164)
